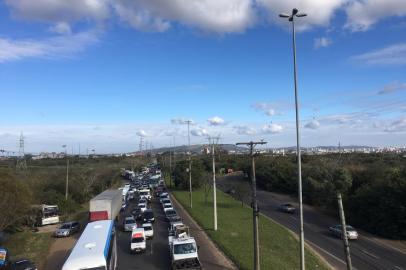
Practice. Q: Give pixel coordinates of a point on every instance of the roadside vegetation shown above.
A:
(279, 248)
(372, 185)
(43, 182)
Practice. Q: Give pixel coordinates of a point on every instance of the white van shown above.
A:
(138, 240)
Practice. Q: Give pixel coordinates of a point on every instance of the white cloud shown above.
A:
(397, 126)
(244, 130)
(322, 42)
(266, 108)
(181, 121)
(60, 10)
(220, 16)
(362, 14)
(314, 124)
(141, 133)
(392, 88)
(54, 47)
(271, 129)
(216, 121)
(199, 132)
(62, 28)
(320, 11)
(392, 55)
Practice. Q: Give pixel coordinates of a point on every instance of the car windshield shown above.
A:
(137, 240)
(141, 205)
(167, 206)
(143, 193)
(170, 213)
(65, 226)
(130, 221)
(350, 228)
(147, 228)
(184, 248)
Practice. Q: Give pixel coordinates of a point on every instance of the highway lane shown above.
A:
(365, 252)
(157, 254)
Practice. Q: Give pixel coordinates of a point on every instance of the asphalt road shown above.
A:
(157, 253)
(366, 253)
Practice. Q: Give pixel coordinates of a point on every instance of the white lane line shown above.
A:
(328, 253)
(369, 254)
(398, 267)
(152, 252)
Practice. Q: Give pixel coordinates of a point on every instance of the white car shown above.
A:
(167, 206)
(336, 230)
(138, 240)
(149, 230)
(129, 224)
(142, 207)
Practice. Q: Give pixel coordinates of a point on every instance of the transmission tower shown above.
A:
(141, 144)
(21, 162)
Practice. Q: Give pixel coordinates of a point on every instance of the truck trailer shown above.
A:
(106, 205)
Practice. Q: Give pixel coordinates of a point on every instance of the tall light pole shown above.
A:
(291, 18)
(254, 204)
(213, 141)
(67, 172)
(188, 122)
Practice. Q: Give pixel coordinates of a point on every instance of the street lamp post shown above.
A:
(213, 141)
(299, 164)
(188, 122)
(67, 172)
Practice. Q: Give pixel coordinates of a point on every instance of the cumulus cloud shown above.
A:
(221, 16)
(392, 88)
(60, 10)
(216, 121)
(54, 47)
(266, 108)
(181, 121)
(62, 28)
(141, 133)
(392, 55)
(321, 11)
(271, 129)
(199, 132)
(244, 130)
(314, 124)
(322, 42)
(397, 126)
(362, 14)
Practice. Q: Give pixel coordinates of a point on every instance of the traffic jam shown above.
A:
(127, 213)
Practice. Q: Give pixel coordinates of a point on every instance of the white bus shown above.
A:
(45, 214)
(96, 248)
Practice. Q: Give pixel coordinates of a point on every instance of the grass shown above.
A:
(279, 248)
(30, 245)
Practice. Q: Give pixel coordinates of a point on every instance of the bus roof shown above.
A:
(92, 247)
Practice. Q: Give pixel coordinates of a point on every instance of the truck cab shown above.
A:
(184, 254)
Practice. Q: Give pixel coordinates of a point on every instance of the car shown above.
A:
(287, 208)
(23, 264)
(336, 230)
(174, 218)
(170, 213)
(123, 207)
(143, 200)
(142, 207)
(67, 229)
(165, 200)
(138, 240)
(129, 224)
(167, 206)
(148, 216)
(149, 230)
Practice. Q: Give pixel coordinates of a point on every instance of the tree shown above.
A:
(15, 200)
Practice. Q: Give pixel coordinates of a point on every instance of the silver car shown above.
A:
(129, 224)
(336, 230)
(67, 229)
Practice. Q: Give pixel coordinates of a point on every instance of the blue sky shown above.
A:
(102, 72)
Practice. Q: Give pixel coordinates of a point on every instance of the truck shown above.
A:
(183, 250)
(106, 205)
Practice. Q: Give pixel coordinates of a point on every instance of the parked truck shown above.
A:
(106, 205)
(183, 250)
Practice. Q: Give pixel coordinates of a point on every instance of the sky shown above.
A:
(101, 74)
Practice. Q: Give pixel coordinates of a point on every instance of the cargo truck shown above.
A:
(105, 206)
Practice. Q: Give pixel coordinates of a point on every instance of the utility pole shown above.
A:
(295, 13)
(188, 122)
(67, 172)
(21, 162)
(254, 204)
(213, 141)
(170, 168)
(342, 220)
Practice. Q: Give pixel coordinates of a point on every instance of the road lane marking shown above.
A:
(369, 254)
(398, 267)
(152, 252)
